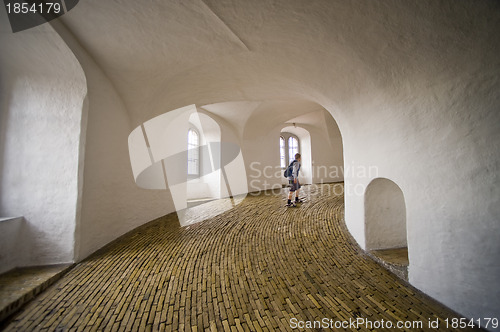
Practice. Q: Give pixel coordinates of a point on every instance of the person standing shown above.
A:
(293, 179)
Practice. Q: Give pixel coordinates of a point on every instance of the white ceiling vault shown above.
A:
(141, 46)
(161, 55)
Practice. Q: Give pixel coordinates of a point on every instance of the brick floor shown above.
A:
(252, 268)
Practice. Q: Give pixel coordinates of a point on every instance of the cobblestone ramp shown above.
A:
(252, 268)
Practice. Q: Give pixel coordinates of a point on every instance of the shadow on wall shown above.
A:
(5, 101)
(385, 215)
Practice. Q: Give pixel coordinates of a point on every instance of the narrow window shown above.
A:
(282, 152)
(193, 152)
(293, 147)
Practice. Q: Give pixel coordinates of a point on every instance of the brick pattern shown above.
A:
(251, 268)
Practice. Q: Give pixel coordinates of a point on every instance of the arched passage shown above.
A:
(159, 158)
(385, 215)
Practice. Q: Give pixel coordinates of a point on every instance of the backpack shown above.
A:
(288, 171)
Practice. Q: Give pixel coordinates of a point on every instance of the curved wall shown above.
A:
(112, 204)
(42, 118)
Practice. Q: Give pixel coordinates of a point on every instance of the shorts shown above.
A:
(294, 186)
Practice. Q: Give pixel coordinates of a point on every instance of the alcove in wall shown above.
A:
(385, 225)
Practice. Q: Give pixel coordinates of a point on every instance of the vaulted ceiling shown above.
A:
(166, 54)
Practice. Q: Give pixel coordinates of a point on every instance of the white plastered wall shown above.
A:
(42, 115)
(441, 156)
(112, 204)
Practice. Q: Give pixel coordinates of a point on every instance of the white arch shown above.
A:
(158, 156)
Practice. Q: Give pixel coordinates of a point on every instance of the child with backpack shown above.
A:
(292, 173)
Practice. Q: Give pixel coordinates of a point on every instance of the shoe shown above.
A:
(291, 204)
(299, 201)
